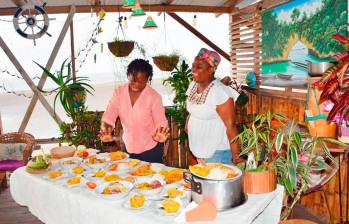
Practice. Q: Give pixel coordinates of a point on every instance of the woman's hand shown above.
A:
(105, 133)
(161, 134)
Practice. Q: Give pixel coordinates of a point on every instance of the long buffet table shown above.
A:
(54, 203)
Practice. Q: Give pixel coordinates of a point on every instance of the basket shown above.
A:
(166, 63)
(121, 48)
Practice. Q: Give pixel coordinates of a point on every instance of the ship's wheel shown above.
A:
(31, 21)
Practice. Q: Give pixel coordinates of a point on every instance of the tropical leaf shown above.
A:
(294, 157)
(292, 176)
(279, 141)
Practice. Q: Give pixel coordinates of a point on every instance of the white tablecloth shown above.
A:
(56, 204)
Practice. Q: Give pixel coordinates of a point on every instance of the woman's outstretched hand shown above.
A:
(105, 133)
(161, 134)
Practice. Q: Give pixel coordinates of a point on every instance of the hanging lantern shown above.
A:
(137, 10)
(149, 24)
(128, 4)
(101, 14)
(194, 23)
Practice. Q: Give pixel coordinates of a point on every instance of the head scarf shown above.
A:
(211, 57)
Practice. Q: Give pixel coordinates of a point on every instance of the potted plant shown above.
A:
(261, 143)
(121, 48)
(83, 130)
(71, 92)
(298, 161)
(335, 86)
(166, 62)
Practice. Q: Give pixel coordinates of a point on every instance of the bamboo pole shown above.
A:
(72, 49)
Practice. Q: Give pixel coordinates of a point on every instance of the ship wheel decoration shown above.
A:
(31, 21)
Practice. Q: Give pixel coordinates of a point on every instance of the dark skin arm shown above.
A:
(226, 112)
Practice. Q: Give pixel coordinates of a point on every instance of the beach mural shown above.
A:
(297, 32)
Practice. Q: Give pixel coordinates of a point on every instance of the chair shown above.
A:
(10, 164)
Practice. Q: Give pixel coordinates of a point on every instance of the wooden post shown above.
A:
(199, 35)
(72, 49)
(48, 67)
(28, 80)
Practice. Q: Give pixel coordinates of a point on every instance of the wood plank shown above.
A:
(117, 8)
(48, 66)
(199, 35)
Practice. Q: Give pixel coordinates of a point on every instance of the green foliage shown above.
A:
(259, 138)
(83, 130)
(179, 81)
(298, 159)
(316, 29)
(68, 89)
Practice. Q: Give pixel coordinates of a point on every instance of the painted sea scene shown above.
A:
(297, 33)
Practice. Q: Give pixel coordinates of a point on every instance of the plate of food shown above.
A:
(69, 163)
(79, 170)
(173, 175)
(114, 190)
(111, 177)
(96, 162)
(148, 186)
(97, 175)
(55, 175)
(75, 181)
(137, 202)
(215, 171)
(118, 156)
(169, 207)
(172, 192)
(143, 170)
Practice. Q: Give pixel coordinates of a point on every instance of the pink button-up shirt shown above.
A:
(139, 121)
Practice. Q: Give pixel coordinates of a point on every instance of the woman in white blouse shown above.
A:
(211, 122)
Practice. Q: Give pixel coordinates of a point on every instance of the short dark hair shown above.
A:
(140, 65)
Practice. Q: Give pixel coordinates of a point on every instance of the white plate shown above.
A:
(160, 211)
(58, 179)
(81, 184)
(127, 205)
(151, 192)
(164, 194)
(77, 162)
(99, 189)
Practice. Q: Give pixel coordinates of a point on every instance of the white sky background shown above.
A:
(108, 69)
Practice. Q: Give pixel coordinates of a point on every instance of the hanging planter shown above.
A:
(121, 48)
(166, 62)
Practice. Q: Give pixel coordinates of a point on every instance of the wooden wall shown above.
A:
(284, 101)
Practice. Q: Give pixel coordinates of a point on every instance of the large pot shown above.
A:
(224, 194)
(315, 68)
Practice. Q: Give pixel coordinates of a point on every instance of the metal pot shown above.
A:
(224, 194)
(315, 68)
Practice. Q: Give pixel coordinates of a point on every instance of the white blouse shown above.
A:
(206, 130)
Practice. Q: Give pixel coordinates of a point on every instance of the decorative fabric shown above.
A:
(12, 151)
(199, 98)
(211, 57)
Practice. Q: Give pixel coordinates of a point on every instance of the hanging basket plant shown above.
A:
(121, 48)
(166, 62)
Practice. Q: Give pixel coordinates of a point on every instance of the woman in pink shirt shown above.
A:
(142, 115)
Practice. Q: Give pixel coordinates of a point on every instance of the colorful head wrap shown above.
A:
(210, 57)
